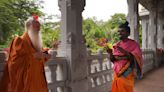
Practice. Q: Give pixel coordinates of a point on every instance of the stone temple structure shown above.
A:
(74, 69)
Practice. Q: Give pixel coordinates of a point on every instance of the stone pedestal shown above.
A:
(72, 44)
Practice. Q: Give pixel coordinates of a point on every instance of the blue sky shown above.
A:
(101, 9)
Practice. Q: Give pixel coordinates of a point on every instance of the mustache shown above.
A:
(36, 40)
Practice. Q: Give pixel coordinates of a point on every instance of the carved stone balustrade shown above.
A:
(100, 72)
(56, 73)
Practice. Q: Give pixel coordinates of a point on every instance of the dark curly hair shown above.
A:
(125, 26)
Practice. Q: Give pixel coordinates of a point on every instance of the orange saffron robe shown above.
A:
(124, 71)
(23, 73)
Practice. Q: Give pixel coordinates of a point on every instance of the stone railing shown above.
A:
(99, 71)
(160, 56)
(148, 60)
(56, 73)
(55, 70)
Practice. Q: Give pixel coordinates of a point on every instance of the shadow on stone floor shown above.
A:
(153, 81)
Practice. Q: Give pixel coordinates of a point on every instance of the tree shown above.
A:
(13, 13)
(94, 29)
(112, 26)
(116, 20)
(50, 32)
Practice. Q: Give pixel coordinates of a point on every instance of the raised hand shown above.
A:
(122, 50)
(108, 50)
(41, 55)
(130, 56)
(56, 44)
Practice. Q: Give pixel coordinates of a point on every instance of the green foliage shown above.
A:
(13, 13)
(93, 29)
(140, 35)
(50, 33)
(116, 20)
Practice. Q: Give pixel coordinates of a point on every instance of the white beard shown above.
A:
(36, 39)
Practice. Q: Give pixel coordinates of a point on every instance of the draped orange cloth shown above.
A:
(23, 72)
(123, 84)
(125, 70)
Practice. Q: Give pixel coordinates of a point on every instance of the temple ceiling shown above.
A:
(148, 4)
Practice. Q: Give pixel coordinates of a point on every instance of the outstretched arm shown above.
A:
(42, 55)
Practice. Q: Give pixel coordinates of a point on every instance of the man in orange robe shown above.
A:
(24, 71)
(126, 56)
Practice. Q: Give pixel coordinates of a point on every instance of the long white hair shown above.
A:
(35, 36)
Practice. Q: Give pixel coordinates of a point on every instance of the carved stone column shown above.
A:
(133, 18)
(72, 44)
(160, 33)
(152, 39)
(145, 25)
(153, 27)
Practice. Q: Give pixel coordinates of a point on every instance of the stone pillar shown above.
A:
(133, 18)
(72, 44)
(152, 39)
(160, 33)
(145, 25)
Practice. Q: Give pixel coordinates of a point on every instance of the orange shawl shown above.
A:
(23, 73)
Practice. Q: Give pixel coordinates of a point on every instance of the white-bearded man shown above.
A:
(24, 71)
